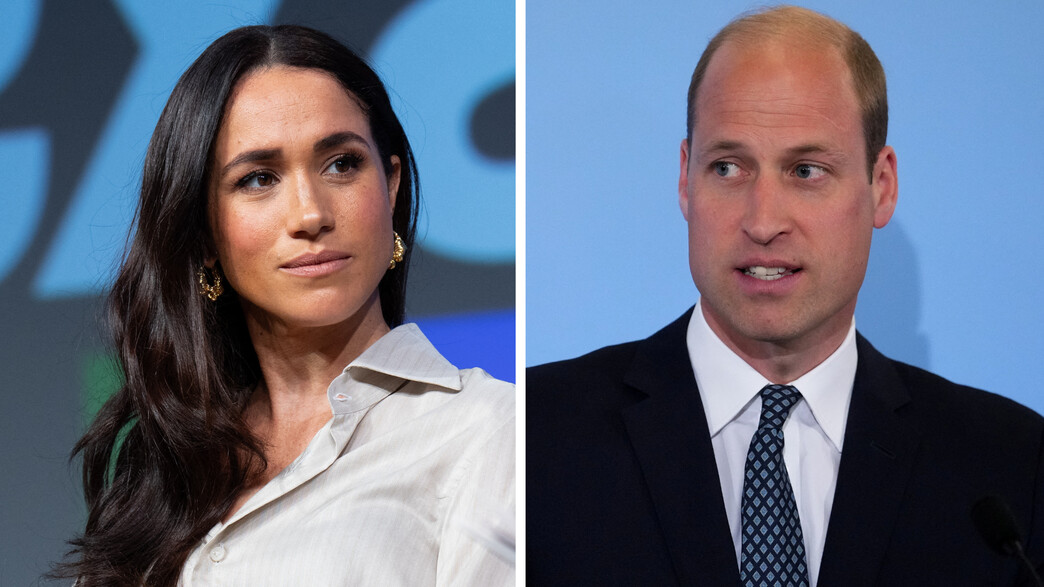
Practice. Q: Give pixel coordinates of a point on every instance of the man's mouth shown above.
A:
(768, 273)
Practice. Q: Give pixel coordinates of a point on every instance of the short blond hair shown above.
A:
(808, 26)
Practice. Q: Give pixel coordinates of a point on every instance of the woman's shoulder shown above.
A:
(485, 396)
(483, 382)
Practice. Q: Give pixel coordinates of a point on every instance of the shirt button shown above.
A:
(342, 398)
(217, 554)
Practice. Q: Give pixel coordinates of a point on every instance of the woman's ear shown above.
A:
(394, 175)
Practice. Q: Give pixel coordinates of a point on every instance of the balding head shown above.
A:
(806, 28)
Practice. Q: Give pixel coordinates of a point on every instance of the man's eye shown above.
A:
(807, 171)
(725, 169)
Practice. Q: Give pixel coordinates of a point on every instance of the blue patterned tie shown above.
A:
(773, 552)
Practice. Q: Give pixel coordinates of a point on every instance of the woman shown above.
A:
(273, 427)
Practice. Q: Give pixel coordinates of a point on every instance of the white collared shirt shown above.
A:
(411, 482)
(813, 433)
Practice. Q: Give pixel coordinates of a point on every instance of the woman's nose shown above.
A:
(310, 209)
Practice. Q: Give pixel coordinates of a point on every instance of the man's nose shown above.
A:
(767, 215)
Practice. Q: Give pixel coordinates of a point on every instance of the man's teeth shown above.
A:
(766, 273)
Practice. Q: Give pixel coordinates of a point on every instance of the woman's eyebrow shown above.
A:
(251, 157)
(338, 138)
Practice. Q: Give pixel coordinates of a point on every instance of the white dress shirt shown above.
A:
(813, 433)
(411, 482)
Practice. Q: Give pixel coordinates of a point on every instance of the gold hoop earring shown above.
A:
(397, 254)
(212, 292)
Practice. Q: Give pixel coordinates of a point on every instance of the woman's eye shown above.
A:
(806, 171)
(344, 164)
(725, 169)
(257, 179)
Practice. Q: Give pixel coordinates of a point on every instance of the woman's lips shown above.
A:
(316, 264)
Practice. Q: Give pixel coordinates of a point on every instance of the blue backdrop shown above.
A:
(952, 284)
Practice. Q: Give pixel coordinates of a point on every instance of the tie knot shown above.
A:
(776, 401)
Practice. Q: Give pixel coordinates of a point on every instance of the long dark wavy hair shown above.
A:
(188, 363)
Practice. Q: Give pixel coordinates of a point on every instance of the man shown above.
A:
(759, 439)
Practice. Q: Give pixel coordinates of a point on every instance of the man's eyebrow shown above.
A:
(251, 157)
(336, 139)
(725, 146)
(721, 146)
(814, 148)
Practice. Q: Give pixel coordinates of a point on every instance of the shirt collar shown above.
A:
(727, 384)
(403, 354)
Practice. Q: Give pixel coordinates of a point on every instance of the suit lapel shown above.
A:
(668, 430)
(876, 464)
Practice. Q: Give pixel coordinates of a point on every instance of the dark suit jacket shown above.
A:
(622, 488)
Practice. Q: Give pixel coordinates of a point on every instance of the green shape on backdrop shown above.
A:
(102, 377)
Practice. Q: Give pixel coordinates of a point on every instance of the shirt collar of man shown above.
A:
(727, 384)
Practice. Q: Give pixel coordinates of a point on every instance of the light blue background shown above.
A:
(953, 283)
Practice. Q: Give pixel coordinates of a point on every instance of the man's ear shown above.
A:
(885, 186)
(683, 180)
